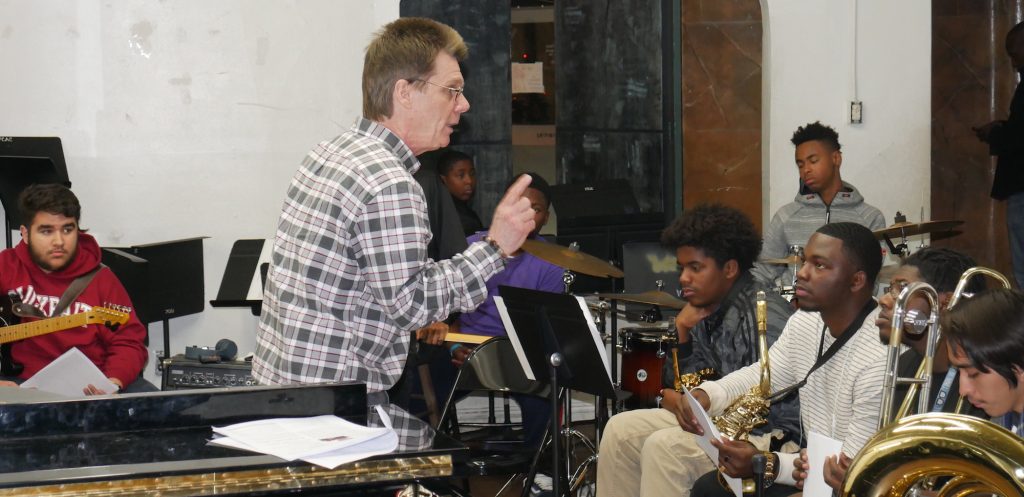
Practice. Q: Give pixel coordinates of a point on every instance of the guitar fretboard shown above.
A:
(36, 328)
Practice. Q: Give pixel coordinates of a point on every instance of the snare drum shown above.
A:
(643, 355)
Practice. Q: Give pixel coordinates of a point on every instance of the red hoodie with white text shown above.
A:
(118, 354)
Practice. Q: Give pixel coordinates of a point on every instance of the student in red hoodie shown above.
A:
(52, 253)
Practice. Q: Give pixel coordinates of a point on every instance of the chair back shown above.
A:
(493, 365)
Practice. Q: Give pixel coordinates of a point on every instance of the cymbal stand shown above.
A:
(900, 250)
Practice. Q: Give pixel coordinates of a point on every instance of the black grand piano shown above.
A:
(156, 444)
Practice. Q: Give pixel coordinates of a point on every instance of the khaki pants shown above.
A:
(645, 453)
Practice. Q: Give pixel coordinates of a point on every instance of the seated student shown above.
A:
(829, 352)
(823, 198)
(941, 268)
(644, 452)
(986, 336)
(459, 176)
(53, 253)
(522, 270)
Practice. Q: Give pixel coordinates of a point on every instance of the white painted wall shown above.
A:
(189, 117)
(184, 118)
(808, 68)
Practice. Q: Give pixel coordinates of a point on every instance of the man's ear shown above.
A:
(731, 269)
(837, 157)
(401, 93)
(24, 232)
(858, 282)
(944, 298)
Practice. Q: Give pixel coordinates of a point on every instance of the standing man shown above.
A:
(644, 452)
(829, 352)
(52, 254)
(823, 198)
(1005, 140)
(350, 280)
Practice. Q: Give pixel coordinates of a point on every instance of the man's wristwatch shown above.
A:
(771, 463)
(494, 243)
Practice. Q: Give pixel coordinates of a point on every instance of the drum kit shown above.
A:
(643, 347)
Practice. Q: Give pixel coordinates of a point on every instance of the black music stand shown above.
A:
(244, 276)
(557, 342)
(164, 280)
(25, 161)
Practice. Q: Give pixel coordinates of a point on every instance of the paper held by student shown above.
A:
(711, 433)
(69, 375)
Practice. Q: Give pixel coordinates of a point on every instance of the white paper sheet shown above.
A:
(711, 433)
(386, 442)
(513, 337)
(301, 438)
(69, 375)
(818, 448)
(598, 341)
(528, 77)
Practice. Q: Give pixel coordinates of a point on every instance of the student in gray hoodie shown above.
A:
(823, 198)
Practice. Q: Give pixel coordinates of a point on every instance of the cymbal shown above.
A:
(572, 260)
(789, 260)
(653, 297)
(910, 229)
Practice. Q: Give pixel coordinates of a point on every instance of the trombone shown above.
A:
(902, 316)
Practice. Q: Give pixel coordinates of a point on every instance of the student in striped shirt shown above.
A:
(829, 351)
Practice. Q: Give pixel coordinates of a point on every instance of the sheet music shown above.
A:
(510, 330)
(710, 433)
(598, 341)
(256, 285)
(69, 375)
(324, 440)
(819, 447)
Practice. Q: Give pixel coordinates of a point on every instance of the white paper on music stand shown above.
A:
(710, 433)
(819, 447)
(598, 341)
(69, 375)
(510, 330)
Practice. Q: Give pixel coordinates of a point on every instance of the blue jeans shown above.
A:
(1015, 232)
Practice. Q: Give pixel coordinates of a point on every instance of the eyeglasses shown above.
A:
(454, 91)
(895, 288)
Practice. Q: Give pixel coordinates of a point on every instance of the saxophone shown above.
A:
(751, 409)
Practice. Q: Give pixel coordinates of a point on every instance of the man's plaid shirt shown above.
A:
(349, 279)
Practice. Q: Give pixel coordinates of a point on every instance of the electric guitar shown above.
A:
(14, 332)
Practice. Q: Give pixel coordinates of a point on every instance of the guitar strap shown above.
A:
(72, 292)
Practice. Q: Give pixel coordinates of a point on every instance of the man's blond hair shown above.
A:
(404, 49)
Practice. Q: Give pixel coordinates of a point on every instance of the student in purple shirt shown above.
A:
(522, 270)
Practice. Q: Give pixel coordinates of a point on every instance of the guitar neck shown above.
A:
(35, 328)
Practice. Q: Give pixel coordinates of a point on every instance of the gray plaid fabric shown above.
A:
(349, 279)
